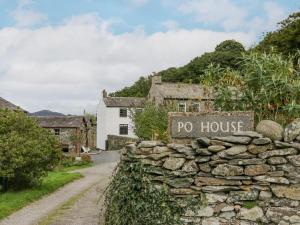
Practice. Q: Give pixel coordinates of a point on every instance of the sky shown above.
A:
(60, 54)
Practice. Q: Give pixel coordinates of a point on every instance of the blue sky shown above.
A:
(60, 54)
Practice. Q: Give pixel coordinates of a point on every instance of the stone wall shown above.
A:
(247, 178)
(115, 142)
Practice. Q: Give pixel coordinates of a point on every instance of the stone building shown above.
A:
(72, 131)
(4, 104)
(182, 96)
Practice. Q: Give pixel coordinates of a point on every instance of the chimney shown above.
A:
(104, 93)
(156, 79)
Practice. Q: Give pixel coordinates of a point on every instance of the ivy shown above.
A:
(132, 199)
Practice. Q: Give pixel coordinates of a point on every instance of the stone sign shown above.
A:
(209, 124)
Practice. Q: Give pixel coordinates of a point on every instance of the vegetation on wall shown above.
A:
(268, 84)
(27, 151)
(133, 199)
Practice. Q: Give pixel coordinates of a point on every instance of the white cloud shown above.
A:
(64, 67)
(223, 12)
(24, 16)
(231, 16)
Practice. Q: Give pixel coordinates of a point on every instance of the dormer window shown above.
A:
(123, 112)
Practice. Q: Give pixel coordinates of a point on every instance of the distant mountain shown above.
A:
(46, 113)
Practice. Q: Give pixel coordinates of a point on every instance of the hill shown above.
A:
(46, 113)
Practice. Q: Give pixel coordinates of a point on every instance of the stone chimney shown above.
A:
(104, 93)
(156, 79)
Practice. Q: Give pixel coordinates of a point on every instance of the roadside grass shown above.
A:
(13, 200)
(74, 167)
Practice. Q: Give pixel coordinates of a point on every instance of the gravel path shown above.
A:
(85, 211)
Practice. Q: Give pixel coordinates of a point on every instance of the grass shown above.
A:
(249, 204)
(12, 201)
(75, 167)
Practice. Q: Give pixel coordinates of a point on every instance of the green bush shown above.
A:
(27, 151)
(152, 122)
(269, 85)
(132, 199)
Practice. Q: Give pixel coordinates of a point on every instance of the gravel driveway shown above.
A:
(85, 211)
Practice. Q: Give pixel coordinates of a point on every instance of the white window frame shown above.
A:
(182, 104)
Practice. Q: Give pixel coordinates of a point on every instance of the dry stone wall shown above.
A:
(247, 178)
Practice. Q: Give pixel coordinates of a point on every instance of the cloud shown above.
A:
(231, 16)
(64, 67)
(24, 16)
(223, 12)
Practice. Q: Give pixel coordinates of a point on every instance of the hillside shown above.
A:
(46, 113)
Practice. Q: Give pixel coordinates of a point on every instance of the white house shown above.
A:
(113, 117)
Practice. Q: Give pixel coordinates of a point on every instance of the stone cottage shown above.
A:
(182, 96)
(72, 131)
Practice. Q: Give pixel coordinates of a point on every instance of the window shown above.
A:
(138, 110)
(182, 106)
(57, 131)
(195, 107)
(123, 129)
(123, 112)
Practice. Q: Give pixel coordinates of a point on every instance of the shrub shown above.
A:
(269, 85)
(152, 122)
(27, 151)
(132, 199)
(86, 158)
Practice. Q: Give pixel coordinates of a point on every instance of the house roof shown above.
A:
(60, 121)
(4, 104)
(184, 91)
(129, 102)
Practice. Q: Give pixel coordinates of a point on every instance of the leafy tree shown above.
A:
(139, 89)
(152, 122)
(227, 54)
(27, 151)
(286, 39)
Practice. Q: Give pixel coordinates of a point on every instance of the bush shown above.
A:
(27, 151)
(132, 199)
(269, 85)
(86, 158)
(152, 122)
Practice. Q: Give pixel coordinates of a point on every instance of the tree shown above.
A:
(27, 151)
(139, 89)
(152, 122)
(284, 40)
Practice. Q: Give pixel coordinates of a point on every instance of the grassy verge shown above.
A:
(12, 201)
(76, 167)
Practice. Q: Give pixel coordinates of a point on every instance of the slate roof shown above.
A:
(129, 102)
(60, 121)
(184, 91)
(4, 104)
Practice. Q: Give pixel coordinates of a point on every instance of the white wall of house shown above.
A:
(108, 123)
